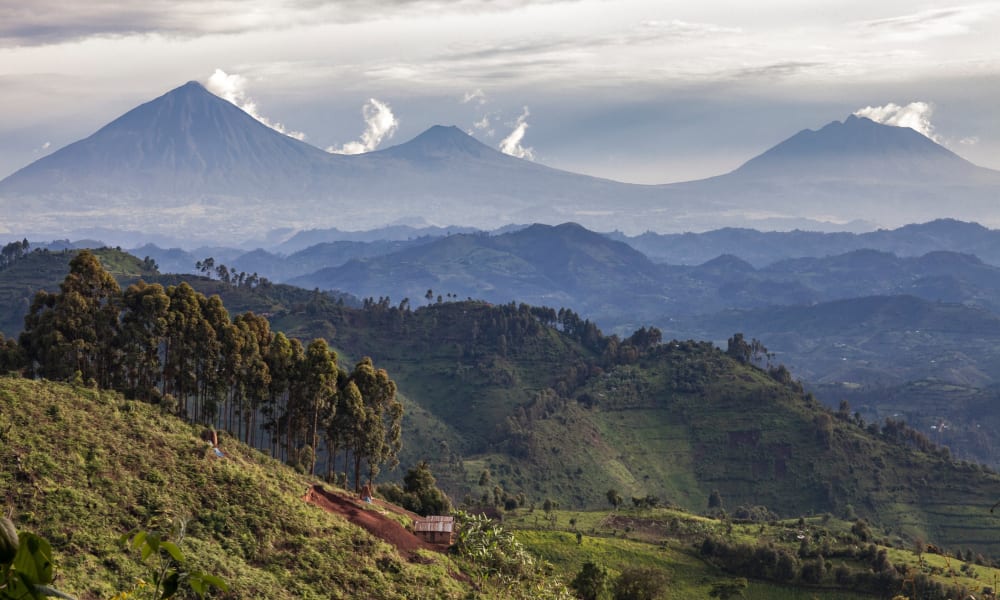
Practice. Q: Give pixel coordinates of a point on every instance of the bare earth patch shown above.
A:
(368, 516)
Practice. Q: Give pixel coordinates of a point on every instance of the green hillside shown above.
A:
(44, 270)
(515, 405)
(82, 467)
(764, 557)
(553, 410)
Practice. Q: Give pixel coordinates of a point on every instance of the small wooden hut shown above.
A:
(435, 529)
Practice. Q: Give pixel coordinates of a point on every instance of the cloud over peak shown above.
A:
(232, 87)
(380, 124)
(915, 115)
(512, 143)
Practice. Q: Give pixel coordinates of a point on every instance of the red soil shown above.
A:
(368, 516)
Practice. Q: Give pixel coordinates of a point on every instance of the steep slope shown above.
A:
(85, 467)
(187, 142)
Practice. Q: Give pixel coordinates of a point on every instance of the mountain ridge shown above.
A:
(185, 162)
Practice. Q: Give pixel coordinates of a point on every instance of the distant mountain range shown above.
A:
(193, 166)
(762, 248)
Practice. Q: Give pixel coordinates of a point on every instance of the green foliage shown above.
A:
(502, 561)
(592, 582)
(728, 589)
(26, 565)
(181, 349)
(419, 493)
(169, 573)
(640, 583)
(110, 465)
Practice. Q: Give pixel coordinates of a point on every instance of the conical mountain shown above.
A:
(442, 142)
(187, 141)
(189, 164)
(860, 149)
(192, 164)
(855, 170)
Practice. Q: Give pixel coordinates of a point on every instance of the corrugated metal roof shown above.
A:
(436, 524)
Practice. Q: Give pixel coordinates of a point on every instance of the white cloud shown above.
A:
(969, 141)
(915, 115)
(485, 125)
(232, 87)
(380, 124)
(930, 23)
(512, 143)
(477, 94)
(46, 145)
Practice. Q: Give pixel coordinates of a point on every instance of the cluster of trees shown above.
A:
(178, 348)
(812, 566)
(594, 582)
(13, 252)
(419, 493)
(240, 279)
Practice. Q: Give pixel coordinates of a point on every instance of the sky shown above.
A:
(644, 91)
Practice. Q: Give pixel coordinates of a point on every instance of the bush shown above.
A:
(592, 582)
(640, 583)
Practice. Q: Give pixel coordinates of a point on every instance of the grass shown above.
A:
(668, 539)
(87, 466)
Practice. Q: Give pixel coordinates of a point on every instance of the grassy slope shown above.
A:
(82, 467)
(668, 539)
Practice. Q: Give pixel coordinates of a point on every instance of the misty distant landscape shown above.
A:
(634, 357)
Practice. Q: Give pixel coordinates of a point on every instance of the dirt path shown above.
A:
(369, 517)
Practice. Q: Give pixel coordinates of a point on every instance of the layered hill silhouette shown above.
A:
(762, 248)
(621, 288)
(191, 164)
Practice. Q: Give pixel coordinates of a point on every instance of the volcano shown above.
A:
(192, 165)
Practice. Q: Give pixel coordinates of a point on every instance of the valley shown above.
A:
(218, 341)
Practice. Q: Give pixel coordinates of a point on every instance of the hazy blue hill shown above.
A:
(962, 417)
(762, 248)
(169, 260)
(393, 233)
(557, 266)
(878, 340)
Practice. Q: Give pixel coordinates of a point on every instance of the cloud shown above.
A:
(41, 22)
(232, 87)
(969, 141)
(512, 143)
(915, 115)
(477, 94)
(380, 124)
(678, 28)
(934, 22)
(46, 145)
